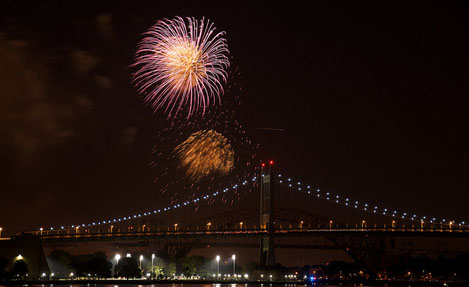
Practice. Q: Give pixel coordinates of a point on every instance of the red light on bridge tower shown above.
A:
(271, 162)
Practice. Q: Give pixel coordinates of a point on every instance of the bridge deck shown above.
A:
(180, 234)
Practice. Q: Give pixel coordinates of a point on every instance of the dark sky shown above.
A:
(373, 97)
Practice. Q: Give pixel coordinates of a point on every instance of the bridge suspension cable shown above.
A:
(153, 212)
(347, 202)
(291, 184)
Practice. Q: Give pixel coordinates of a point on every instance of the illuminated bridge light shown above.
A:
(328, 196)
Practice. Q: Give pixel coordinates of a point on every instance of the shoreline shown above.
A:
(243, 282)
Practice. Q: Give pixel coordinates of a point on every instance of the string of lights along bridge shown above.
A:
(291, 184)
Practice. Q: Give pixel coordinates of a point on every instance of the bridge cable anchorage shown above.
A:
(347, 202)
(148, 213)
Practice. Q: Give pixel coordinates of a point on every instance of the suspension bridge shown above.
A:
(369, 234)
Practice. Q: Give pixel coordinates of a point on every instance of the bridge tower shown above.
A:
(267, 251)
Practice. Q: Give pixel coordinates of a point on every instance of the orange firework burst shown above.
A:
(181, 64)
(204, 153)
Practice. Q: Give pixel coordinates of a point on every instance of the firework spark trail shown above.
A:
(181, 65)
(172, 180)
(205, 153)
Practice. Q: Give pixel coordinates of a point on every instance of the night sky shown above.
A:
(373, 97)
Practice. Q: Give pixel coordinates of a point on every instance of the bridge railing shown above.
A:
(237, 232)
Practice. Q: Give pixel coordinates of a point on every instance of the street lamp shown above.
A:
(117, 257)
(152, 258)
(175, 226)
(218, 264)
(128, 255)
(208, 225)
(41, 229)
(1, 232)
(140, 259)
(234, 263)
(241, 225)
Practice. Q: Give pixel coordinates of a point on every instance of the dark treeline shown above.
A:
(163, 266)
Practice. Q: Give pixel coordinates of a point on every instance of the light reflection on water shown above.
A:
(201, 285)
(184, 285)
(195, 285)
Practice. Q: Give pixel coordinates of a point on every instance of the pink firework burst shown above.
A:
(181, 65)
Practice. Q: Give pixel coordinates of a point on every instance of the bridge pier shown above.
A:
(27, 248)
(267, 245)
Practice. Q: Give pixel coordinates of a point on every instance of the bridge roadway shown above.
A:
(64, 235)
